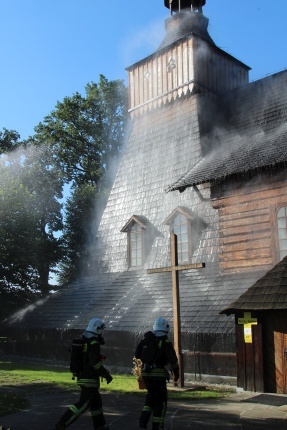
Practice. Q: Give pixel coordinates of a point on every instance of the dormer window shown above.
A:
(188, 227)
(181, 228)
(140, 237)
(136, 242)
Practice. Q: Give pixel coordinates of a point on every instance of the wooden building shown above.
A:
(261, 333)
(205, 158)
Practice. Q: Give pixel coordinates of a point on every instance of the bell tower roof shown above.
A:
(182, 24)
(186, 17)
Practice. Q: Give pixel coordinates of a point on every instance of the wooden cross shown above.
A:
(248, 322)
(174, 269)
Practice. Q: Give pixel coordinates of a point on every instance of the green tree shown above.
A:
(45, 183)
(85, 135)
(30, 214)
(9, 140)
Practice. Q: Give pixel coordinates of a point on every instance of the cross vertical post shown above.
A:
(174, 269)
(176, 307)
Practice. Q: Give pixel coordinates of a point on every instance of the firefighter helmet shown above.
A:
(96, 325)
(161, 324)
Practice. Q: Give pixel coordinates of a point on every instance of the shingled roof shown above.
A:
(255, 135)
(130, 300)
(269, 292)
(182, 25)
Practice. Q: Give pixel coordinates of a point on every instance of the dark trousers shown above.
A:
(155, 403)
(90, 399)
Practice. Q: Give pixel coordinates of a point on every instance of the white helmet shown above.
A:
(161, 324)
(96, 325)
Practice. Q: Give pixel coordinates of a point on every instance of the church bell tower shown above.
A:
(186, 62)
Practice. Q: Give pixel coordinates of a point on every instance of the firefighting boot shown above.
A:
(144, 417)
(99, 422)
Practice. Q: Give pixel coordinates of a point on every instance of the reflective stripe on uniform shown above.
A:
(147, 408)
(89, 382)
(97, 365)
(155, 373)
(160, 419)
(97, 412)
(77, 412)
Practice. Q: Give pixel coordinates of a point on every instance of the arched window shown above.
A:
(135, 238)
(181, 228)
(188, 228)
(282, 231)
(141, 234)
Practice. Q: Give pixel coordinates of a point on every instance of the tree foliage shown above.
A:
(9, 140)
(30, 213)
(76, 144)
(86, 133)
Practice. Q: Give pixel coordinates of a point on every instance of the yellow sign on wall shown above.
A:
(248, 322)
(247, 333)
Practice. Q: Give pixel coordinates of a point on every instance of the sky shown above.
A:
(51, 49)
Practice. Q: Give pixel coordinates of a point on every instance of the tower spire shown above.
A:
(178, 5)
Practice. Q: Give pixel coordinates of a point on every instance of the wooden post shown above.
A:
(174, 269)
(176, 308)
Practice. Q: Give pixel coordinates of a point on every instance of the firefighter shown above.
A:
(88, 378)
(155, 373)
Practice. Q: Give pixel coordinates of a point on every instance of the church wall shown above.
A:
(162, 145)
(247, 211)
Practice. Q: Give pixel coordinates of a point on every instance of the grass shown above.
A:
(23, 374)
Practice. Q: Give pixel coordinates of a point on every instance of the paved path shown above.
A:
(240, 411)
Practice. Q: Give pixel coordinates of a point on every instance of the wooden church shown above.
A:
(204, 160)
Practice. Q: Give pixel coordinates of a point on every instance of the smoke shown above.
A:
(144, 41)
(20, 315)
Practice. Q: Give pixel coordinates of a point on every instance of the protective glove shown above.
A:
(109, 378)
(175, 374)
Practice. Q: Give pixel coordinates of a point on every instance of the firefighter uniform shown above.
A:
(155, 378)
(88, 380)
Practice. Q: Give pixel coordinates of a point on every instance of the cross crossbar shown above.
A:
(176, 268)
(247, 319)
